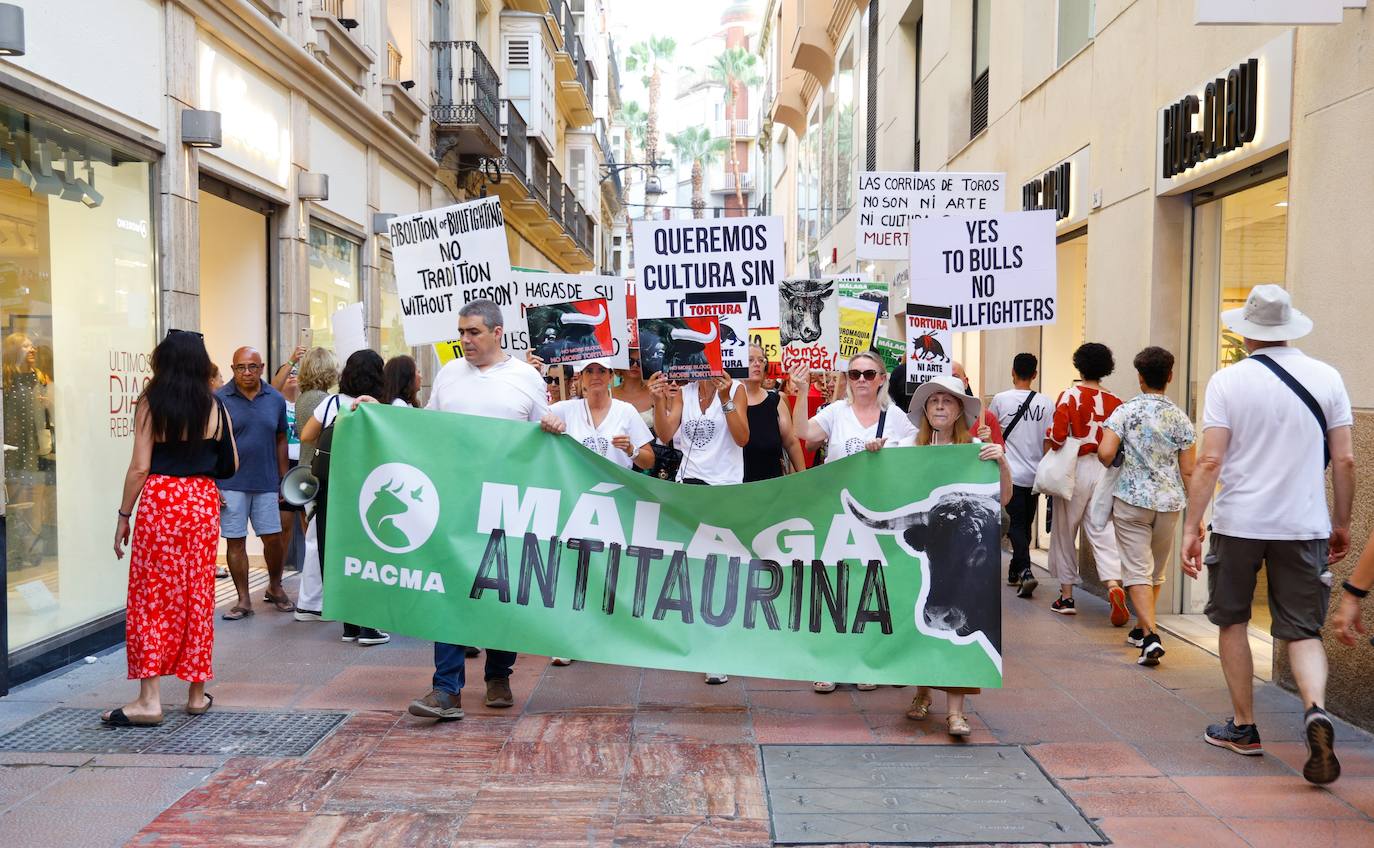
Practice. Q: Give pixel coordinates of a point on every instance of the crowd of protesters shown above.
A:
(208, 461)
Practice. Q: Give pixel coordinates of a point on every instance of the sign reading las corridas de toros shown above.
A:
(445, 258)
(890, 200)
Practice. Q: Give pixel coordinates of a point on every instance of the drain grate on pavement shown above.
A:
(223, 733)
(923, 794)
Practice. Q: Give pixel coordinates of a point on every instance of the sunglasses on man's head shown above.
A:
(867, 374)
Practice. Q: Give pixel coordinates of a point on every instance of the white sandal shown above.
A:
(822, 687)
(865, 687)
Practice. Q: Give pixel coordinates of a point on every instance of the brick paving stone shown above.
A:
(684, 725)
(1091, 759)
(1286, 833)
(1357, 760)
(1264, 797)
(569, 728)
(1199, 758)
(1115, 797)
(20, 782)
(1170, 832)
(600, 760)
(1358, 792)
(691, 832)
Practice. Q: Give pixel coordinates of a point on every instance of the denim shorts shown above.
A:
(239, 507)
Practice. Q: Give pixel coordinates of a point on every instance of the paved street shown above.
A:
(601, 755)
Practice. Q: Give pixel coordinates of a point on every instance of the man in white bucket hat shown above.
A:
(1271, 424)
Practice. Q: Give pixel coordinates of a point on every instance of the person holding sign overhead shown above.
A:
(707, 421)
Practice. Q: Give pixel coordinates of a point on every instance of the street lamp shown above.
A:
(653, 187)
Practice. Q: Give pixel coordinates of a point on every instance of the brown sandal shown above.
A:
(236, 613)
(209, 702)
(919, 709)
(283, 604)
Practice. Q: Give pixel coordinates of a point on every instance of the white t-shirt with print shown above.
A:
(621, 419)
(509, 389)
(709, 452)
(1273, 485)
(846, 436)
(1026, 447)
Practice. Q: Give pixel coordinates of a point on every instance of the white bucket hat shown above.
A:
(1267, 316)
(949, 385)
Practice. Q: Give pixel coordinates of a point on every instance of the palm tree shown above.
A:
(649, 57)
(695, 145)
(734, 69)
(635, 120)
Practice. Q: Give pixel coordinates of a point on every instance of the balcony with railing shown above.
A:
(727, 183)
(556, 189)
(336, 45)
(399, 103)
(464, 100)
(572, 70)
(612, 190)
(737, 128)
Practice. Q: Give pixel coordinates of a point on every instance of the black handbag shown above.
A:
(226, 462)
(667, 460)
(319, 464)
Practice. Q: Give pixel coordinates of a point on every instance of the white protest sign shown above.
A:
(350, 331)
(445, 258)
(929, 343)
(994, 271)
(890, 200)
(530, 288)
(709, 255)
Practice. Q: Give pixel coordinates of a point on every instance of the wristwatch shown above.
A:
(728, 407)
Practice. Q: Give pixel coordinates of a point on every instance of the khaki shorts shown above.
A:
(1146, 541)
(1297, 596)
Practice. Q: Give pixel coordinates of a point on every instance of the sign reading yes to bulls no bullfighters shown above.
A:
(880, 567)
(994, 271)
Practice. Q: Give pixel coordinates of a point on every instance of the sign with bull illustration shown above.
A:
(684, 349)
(810, 328)
(880, 567)
(929, 343)
(709, 256)
(570, 332)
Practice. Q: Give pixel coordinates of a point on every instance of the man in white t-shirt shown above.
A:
(1024, 414)
(486, 381)
(1263, 438)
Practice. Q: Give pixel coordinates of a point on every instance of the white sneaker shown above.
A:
(717, 679)
(865, 687)
(562, 661)
(307, 615)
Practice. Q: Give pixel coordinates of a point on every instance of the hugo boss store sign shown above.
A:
(1062, 188)
(1237, 117)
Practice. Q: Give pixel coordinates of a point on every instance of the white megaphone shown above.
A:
(299, 486)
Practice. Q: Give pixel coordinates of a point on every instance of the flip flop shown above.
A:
(236, 613)
(283, 604)
(117, 718)
(209, 702)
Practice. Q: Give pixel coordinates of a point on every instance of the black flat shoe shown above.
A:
(117, 718)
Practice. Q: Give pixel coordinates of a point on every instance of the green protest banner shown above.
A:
(881, 567)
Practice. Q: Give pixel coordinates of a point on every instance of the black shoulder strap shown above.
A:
(1304, 395)
(882, 419)
(1025, 405)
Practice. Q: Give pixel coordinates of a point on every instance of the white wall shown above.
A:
(76, 44)
(334, 152)
(398, 193)
(255, 115)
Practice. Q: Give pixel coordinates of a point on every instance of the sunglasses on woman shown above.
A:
(867, 374)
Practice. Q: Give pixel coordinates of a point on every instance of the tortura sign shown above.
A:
(1230, 118)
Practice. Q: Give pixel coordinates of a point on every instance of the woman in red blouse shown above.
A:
(1080, 412)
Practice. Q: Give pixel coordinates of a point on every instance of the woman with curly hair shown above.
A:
(1081, 411)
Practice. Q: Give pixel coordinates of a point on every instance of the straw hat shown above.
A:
(949, 385)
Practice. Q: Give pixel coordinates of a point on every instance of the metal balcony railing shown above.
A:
(466, 88)
(727, 181)
(590, 239)
(539, 173)
(608, 155)
(556, 189)
(516, 142)
(573, 216)
(743, 128)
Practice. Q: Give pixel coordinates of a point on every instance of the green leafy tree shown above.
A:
(695, 145)
(735, 70)
(635, 120)
(649, 57)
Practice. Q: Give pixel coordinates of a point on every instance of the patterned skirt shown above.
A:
(170, 623)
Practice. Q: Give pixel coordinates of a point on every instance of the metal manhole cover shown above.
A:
(80, 731)
(250, 734)
(218, 733)
(924, 794)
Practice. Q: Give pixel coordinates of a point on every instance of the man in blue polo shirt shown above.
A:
(259, 413)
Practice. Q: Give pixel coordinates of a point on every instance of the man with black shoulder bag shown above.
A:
(1271, 426)
(1023, 414)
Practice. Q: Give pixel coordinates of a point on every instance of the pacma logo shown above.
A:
(399, 507)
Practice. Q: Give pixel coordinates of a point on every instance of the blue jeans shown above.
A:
(450, 666)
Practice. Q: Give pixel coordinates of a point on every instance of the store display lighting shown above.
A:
(310, 186)
(201, 128)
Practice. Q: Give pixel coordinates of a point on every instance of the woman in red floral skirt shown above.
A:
(169, 624)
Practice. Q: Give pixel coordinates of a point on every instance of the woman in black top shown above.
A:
(770, 426)
(169, 622)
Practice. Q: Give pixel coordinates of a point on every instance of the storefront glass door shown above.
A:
(1239, 241)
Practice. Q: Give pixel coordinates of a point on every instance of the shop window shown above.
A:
(78, 308)
(393, 338)
(1077, 21)
(846, 100)
(335, 277)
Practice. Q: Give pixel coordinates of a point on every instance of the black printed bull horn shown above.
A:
(682, 334)
(581, 318)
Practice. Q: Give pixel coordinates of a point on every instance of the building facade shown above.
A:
(123, 216)
(1186, 164)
